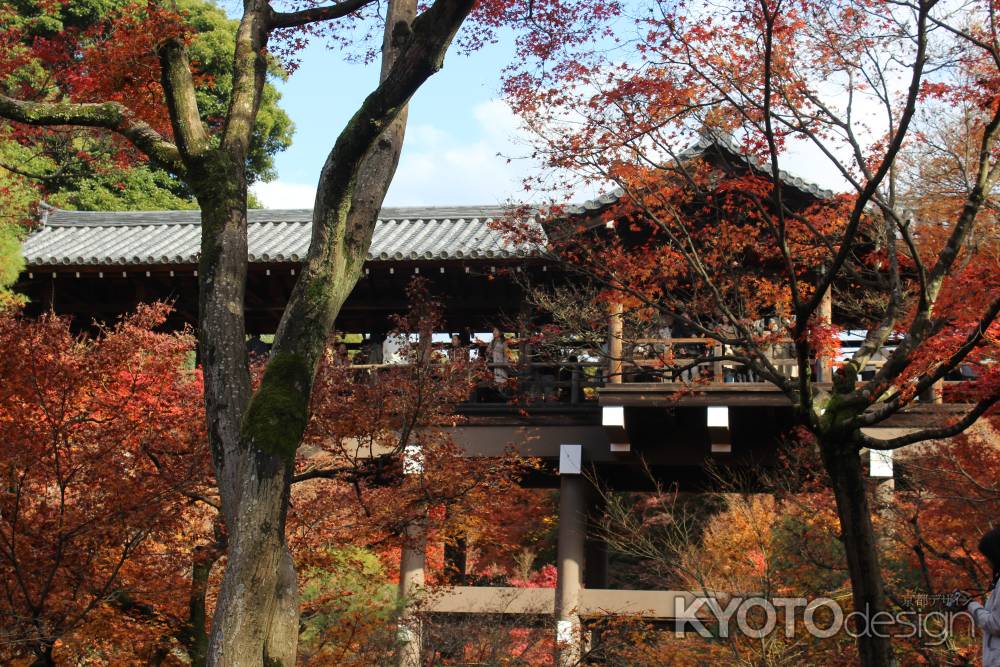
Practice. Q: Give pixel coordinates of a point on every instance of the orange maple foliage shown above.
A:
(103, 448)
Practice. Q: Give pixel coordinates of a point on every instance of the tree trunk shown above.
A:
(253, 482)
(843, 463)
(195, 636)
(254, 439)
(43, 656)
(251, 625)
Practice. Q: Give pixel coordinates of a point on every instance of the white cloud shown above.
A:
(438, 169)
(282, 194)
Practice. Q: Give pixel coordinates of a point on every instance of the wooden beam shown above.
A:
(594, 602)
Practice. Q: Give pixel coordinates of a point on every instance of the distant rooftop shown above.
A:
(707, 141)
(151, 238)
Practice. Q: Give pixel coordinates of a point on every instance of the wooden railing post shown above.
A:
(615, 343)
(717, 371)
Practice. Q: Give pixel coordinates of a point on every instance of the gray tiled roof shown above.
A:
(709, 139)
(725, 143)
(78, 238)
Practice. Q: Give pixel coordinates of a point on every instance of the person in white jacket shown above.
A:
(987, 616)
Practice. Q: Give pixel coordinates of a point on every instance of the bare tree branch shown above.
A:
(316, 14)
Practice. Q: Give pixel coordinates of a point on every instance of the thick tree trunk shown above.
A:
(258, 589)
(252, 624)
(255, 438)
(282, 640)
(843, 464)
(222, 274)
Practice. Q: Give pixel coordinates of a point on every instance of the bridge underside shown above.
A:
(668, 444)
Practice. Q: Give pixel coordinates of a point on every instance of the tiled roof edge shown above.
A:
(698, 148)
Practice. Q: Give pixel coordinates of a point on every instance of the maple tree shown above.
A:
(145, 91)
(80, 168)
(721, 241)
(379, 459)
(785, 544)
(112, 527)
(103, 450)
(11, 261)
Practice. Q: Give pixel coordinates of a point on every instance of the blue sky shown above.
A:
(459, 137)
(457, 126)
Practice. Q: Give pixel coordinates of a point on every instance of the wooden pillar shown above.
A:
(49, 295)
(825, 364)
(570, 562)
(615, 339)
(595, 574)
(411, 583)
(934, 393)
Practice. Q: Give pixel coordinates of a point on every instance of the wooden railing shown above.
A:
(545, 379)
(681, 364)
(677, 360)
(564, 381)
(689, 360)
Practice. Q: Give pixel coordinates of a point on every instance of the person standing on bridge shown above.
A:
(496, 354)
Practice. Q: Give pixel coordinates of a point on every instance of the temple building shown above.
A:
(96, 266)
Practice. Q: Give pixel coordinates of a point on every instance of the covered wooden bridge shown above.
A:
(97, 266)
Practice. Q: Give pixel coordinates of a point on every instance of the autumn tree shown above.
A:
(103, 449)
(380, 468)
(254, 433)
(945, 500)
(112, 528)
(873, 90)
(81, 168)
(784, 544)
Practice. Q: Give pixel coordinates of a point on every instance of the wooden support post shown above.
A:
(376, 352)
(824, 372)
(717, 370)
(411, 583)
(569, 581)
(616, 335)
(575, 393)
(595, 574)
(49, 296)
(934, 393)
